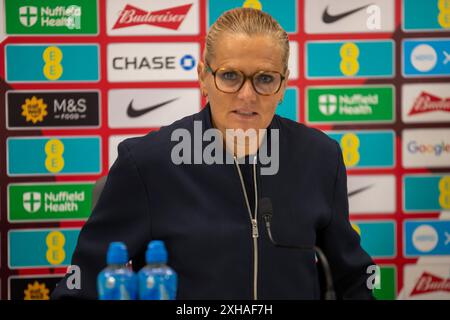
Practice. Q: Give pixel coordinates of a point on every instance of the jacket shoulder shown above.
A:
(159, 140)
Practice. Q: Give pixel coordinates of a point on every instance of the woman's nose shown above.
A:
(247, 92)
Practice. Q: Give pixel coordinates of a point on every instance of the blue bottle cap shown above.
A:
(156, 252)
(117, 253)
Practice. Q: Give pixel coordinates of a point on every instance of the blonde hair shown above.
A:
(250, 22)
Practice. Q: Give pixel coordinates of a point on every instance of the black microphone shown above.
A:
(265, 208)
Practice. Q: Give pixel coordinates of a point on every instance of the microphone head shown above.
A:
(265, 207)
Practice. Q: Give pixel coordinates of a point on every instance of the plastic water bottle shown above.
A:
(157, 281)
(117, 281)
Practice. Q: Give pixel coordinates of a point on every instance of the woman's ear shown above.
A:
(286, 78)
(284, 86)
(201, 72)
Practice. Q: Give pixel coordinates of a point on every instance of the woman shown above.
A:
(207, 214)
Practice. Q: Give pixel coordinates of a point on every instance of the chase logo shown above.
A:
(426, 237)
(130, 62)
(187, 62)
(366, 149)
(284, 12)
(43, 247)
(426, 193)
(427, 57)
(377, 237)
(40, 63)
(434, 15)
(47, 156)
(349, 59)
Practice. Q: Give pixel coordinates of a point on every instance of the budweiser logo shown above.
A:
(170, 18)
(427, 103)
(429, 283)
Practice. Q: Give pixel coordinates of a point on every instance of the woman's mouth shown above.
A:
(245, 114)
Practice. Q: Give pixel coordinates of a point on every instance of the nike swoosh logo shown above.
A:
(133, 113)
(355, 192)
(328, 18)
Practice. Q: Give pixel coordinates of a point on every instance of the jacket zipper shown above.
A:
(254, 223)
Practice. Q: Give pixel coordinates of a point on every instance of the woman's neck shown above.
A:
(241, 143)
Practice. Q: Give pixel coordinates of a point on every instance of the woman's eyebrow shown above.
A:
(254, 70)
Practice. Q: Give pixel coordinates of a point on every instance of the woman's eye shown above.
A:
(265, 78)
(229, 75)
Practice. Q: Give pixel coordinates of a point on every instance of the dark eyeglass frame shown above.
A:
(251, 77)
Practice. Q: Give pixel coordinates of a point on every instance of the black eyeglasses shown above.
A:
(229, 80)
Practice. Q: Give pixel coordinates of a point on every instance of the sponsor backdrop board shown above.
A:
(80, 76)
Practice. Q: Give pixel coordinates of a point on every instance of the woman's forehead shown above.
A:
(244, 52)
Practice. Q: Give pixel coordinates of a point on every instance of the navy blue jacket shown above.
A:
(200, 213)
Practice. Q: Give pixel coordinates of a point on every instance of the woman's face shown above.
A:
(245, 109)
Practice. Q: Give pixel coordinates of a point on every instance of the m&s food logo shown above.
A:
(36, 291)
(34, 110)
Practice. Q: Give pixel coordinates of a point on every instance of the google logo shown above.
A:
(437, 149)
